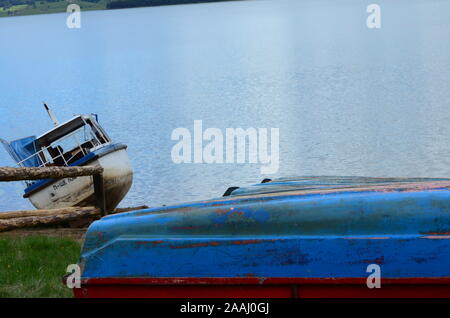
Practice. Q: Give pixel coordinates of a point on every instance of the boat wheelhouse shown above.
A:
(80, 141)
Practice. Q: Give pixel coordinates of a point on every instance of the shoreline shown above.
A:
(102, 5)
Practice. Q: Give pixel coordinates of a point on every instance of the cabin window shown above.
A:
(74, 146)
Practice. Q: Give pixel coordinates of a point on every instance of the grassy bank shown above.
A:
(30, 7)
(44, 7)
(33, 266)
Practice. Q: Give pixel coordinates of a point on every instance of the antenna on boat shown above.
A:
(51, 114)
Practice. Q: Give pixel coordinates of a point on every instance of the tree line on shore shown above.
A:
(113, 4)
(120, 4)
(10, 3)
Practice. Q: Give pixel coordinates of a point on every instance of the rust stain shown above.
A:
(236, 213)
(149, 242)
(437, 237)
(215, 204)
(197, 245)
(378, 260)
(215, 243)
(228, 210)
(223, 211)
(244, 242)
(369, 238)
(191, 245)
(437, 233)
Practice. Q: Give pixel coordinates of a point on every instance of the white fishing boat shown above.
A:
(80, 141)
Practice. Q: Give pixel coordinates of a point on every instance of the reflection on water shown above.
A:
(348, 100)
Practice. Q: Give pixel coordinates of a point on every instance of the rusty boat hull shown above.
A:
(302, 237)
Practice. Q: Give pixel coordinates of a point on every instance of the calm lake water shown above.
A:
(348, 100)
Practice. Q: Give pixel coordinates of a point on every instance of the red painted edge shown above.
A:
(259, 281)
(254, 287)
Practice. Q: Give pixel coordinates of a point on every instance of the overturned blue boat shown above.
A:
(299, 237)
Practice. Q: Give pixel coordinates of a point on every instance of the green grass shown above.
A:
(16, 7)
(34, 266)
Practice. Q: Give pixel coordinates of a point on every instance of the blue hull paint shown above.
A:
(293, 256)
(318, 231)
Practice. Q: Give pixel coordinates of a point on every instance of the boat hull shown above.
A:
(323, 242)
(274, 266)
(79, 191)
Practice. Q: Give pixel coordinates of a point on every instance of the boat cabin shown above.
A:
(64, 145)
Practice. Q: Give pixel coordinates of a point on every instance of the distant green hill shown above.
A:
(27, 7)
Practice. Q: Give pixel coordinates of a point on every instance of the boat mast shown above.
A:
(51, 114)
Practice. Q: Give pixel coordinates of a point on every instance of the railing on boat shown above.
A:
(49, 156)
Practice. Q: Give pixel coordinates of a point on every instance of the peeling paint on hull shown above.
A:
(283, 244)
